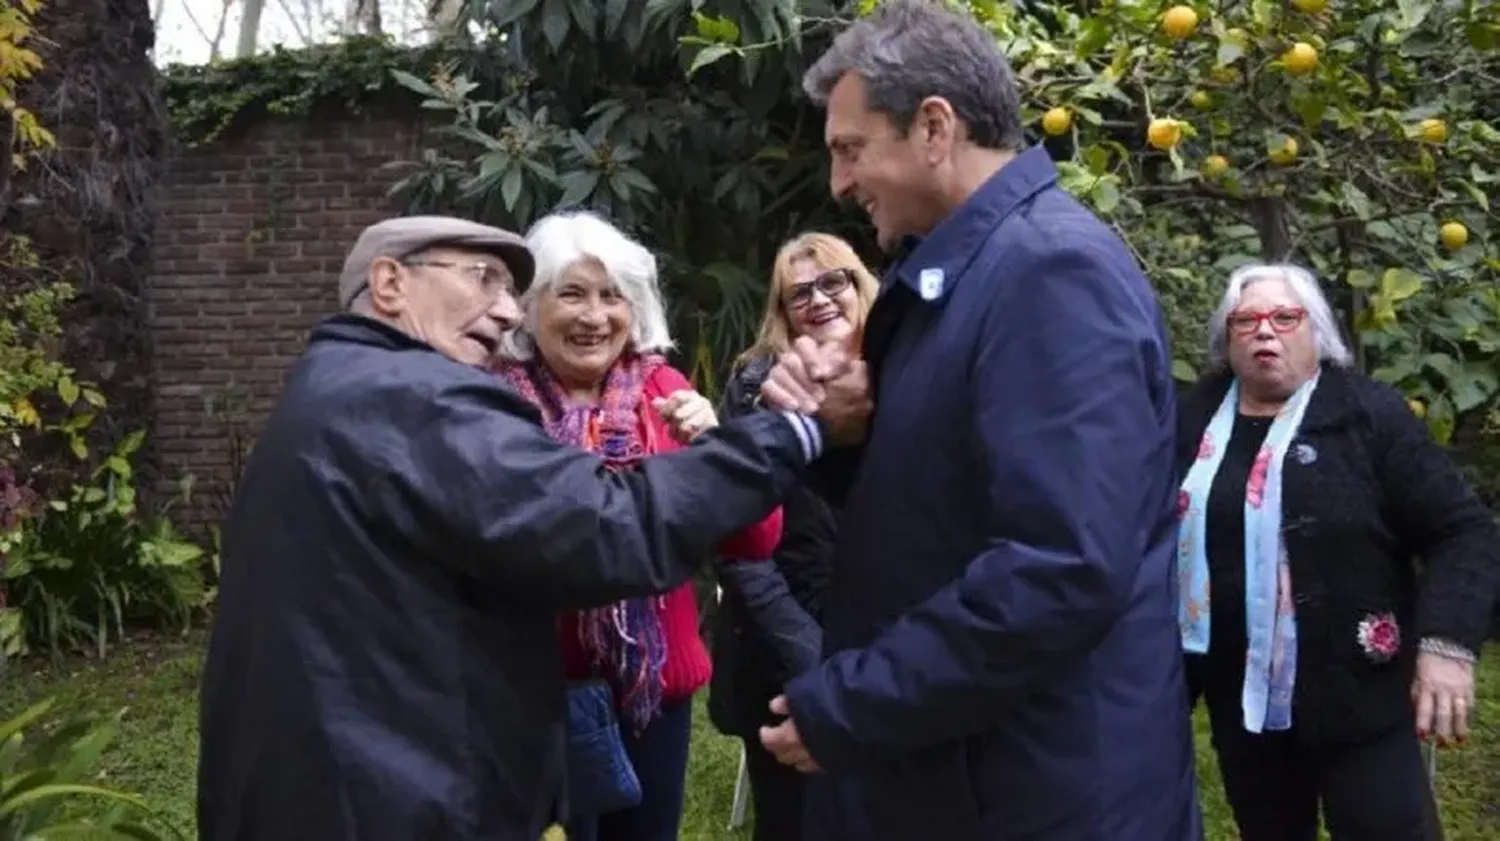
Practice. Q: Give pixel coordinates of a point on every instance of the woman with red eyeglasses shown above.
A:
(1324, 650)
(767, 628)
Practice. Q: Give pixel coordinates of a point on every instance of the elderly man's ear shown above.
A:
(387, 286)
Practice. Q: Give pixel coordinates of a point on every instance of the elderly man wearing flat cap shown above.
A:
(383, 662)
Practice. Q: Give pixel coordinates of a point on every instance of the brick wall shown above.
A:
(251, 238)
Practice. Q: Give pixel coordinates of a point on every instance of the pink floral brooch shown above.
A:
(1380, 636)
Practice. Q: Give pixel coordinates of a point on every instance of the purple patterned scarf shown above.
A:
(623, 641)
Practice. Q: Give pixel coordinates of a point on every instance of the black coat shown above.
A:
(1378, 519)
(383, 665)
(767, 628)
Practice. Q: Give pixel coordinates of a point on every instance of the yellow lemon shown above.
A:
(1417, 408)
(1164, 133)
(1300, 59)
(1057, 121)
(1285, 153)
(1214, 166)
(1432, 130)
(1179, 22)
(1454, 235)
(1311, 7)
(1202, 100)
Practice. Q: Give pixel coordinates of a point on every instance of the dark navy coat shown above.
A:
(1003, 659)
(383, 665)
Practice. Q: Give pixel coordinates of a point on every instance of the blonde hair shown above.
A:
(827, 252)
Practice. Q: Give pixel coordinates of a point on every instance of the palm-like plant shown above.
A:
(45, 791)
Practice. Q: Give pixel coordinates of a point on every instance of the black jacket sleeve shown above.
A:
(471, 477)
(1440, 519)
(759, 585)
(793, 634)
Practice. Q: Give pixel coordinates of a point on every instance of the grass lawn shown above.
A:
(155, 755)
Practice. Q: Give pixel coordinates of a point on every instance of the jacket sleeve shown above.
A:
(474, 480)
(793, 634)
(831, 476)
(1440, 520)
(748, 572)
(1067, 421)
(754, 541)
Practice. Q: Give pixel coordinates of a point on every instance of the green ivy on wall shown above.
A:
(206, 100)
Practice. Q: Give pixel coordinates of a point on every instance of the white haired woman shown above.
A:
(1309, 493)
(589, 356)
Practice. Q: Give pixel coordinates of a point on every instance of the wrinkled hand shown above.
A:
(1443, 693)
(797, 382)
(784, 742)
(688, 414)
(846, 407)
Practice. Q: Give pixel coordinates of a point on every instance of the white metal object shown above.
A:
(741, 794)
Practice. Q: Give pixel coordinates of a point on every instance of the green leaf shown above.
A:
(67, 390)
(132, 442)
(512, 11)
(1106, 195)
(577, 186)
(412, 83)
(1356, 200)
(708, 55)
(493, 163)
(555, 23)
(510, 187)
(717, 28)
(1399, 284)
(1183, 371)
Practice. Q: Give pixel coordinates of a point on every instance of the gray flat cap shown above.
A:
(406, 235)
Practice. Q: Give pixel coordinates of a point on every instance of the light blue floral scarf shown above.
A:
(1271, 662)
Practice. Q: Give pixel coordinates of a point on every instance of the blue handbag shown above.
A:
(600, 778)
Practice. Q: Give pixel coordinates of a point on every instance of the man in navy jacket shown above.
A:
(1001, 644)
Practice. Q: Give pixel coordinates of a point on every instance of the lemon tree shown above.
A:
(1354, 136)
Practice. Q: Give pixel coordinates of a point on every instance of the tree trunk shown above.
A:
(249, 28)
(1269, 214)
(90, 206)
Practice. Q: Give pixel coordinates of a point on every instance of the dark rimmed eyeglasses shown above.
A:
(1281, 319)
(492, 279)
(831, 283)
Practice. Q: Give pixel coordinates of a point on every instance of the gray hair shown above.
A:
(908, 50)
(1330, 344)
(562, 240)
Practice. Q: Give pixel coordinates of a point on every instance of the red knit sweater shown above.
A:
(688, 667)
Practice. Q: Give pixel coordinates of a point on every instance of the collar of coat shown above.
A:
(933, 264)
(1337, 402)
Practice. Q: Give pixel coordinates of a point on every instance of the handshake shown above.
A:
(826, 381)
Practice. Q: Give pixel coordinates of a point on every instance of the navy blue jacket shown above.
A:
(383, 665)
(1002, 649)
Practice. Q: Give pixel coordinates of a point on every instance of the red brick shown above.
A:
(251, 238)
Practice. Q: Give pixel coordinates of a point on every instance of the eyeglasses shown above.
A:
(492, 279)
(831, 283)
(1281, 319)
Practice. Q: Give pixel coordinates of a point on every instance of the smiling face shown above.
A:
(582, 325)
(455, 300)
(893, 178)
(820, 303)
(1272, 349)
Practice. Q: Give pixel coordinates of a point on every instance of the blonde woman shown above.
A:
(767, 629)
